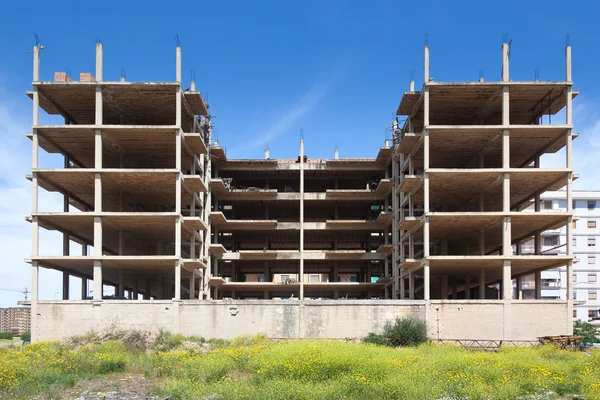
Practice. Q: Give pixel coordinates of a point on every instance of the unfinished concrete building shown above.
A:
(195, 242)
(303, 228)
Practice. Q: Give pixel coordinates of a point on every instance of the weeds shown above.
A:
(257, 368)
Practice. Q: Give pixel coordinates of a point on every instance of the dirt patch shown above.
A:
(121, 387)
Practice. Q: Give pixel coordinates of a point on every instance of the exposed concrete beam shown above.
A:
(59, 108)
(63, 151)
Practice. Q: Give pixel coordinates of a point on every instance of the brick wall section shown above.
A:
(86, 77)
(61, 77)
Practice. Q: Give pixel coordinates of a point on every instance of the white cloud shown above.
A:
(15, 204)
(586, 161)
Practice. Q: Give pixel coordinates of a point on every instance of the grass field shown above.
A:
(256, 368)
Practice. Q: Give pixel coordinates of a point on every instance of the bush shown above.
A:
(588, 331)
(25, 336)
(375, 338)
(403, 332)
(168, 341)
(6, 336)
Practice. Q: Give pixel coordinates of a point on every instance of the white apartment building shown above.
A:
(586, 247)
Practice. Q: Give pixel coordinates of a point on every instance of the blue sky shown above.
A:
(335, 69)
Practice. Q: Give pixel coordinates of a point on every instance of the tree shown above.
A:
(589, 332)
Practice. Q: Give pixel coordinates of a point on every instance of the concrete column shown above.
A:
(34, 197)
(386, 266)
(35, 282)
(482, 283)
(136, 290)
(482, 242)
(444, 287)
(65, 285)
(402, 288)
(468, 286)
(99, 61)
(84, 287)
(519, 288)
(411, 285)
(568, 73)
(121, 285)
(160, 287)
(98, 239)
(301, 276)
(538, 285)
(178, 222)
(426, 65)
(207, 235)
(216, 273)
(426, 281)
(505, 56)
(426, 241)
(267, 272)
(569, 164)
(506, 281)
(336, 272)
(66, 238)
(177, 280)
(192, 284)
(178, 64)
(97, 263)
(97, 280)
(66, 243)
(397, 247)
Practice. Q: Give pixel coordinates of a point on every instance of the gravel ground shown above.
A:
(119, 387)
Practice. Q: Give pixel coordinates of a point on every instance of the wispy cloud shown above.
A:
(290, 116)
(586, 162)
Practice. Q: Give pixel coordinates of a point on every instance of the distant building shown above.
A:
(16, 320)
(586, 239)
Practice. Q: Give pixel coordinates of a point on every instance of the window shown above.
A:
(547, 204)
(591, 259)
(591, 277)
(574, 241)
(592, 224)
(313, 278)
(574, 294)
(592, 295)
(261, 278)
(574, 204)
(550, 240)
(574, 313)
(591, 205)
(285, 278)
(591, 242)
(574, 224)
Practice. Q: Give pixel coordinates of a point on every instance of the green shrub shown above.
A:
(168, 341)
(6, 336)
(25, 336)
(406, 332)
(403, 332)
(589, 332)
(375, 338)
